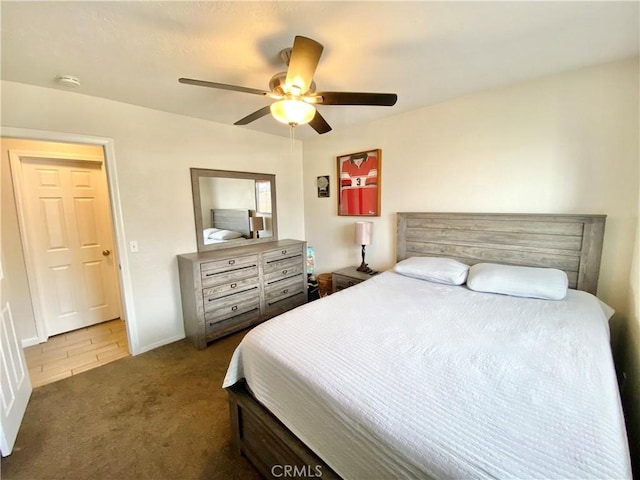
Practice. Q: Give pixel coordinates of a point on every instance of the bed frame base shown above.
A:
(272, 449)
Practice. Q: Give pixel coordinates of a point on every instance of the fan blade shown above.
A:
(305, 56)
(254, 116)
(223, 86)
(358, 98)
(319, 124)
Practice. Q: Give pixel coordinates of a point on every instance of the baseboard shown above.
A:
(161, 343)
(30, 342)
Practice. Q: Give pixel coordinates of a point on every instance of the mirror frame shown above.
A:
(197, 173)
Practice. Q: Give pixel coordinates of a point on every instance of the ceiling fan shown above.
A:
(294, 90)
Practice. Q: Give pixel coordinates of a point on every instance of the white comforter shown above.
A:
(403, 378)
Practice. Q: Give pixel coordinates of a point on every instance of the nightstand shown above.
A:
(347, 277)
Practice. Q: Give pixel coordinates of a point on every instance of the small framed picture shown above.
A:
(323, 186)
(359, 183)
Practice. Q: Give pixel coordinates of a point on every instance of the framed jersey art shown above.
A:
(359, 183)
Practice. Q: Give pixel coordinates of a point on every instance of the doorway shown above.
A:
(75, 146)
(66, 237)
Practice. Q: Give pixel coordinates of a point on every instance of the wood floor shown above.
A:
(75, 352)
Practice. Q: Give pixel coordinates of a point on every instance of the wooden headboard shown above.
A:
(236, 219)
(572, 243)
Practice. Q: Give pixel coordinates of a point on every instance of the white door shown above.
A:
(67, 235)
(15, 386)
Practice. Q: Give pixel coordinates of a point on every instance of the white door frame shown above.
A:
(124, 272)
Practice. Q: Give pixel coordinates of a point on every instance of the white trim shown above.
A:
(39, 156)
(30, 342)
(126, 287)
(36, 297)
(161, 343)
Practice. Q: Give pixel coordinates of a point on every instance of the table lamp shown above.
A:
(256, 224)
(364, 236)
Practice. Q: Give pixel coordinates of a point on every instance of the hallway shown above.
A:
(77, 351)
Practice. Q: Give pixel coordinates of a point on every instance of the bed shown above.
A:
(399, 377)
(227, 224)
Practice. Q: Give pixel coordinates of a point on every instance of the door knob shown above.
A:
(106, 253)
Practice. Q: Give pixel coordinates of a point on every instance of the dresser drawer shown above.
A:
(284, 288)
(283, 264)
(285, 271)
(211, 278)
(219, 328)
(281, 305)
(231, 305)
(217, 266)
(341, 282)
(230, 288)
(285, 252)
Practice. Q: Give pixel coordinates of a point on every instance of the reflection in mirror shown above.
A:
(233, 208)
(263, 196)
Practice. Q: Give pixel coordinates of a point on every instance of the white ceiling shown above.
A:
(426, 52)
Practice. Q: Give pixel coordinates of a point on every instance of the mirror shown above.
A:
(233, 208)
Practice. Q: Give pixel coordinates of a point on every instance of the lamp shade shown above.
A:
(293, 112)
(364, 233)
(256, 223)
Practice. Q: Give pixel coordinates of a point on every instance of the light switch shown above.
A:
(133, 246)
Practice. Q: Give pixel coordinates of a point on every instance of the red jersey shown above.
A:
(359, 186)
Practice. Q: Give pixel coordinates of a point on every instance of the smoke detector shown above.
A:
(68, 81)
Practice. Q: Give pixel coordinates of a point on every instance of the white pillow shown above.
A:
(225, 235)
(531, 282)
(434, 269)
(210, 231)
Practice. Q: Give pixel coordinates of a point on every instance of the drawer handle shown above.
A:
(234, 308)
(284, 252)
(286, 290)
(234, 285)
(284, 272)
(231, 262)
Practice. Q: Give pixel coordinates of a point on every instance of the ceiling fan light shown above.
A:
(293, 112)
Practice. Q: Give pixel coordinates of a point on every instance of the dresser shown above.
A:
(347, 277)
(227, 290)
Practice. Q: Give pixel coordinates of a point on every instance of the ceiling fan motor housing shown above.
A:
(278, 81)
(285, 55)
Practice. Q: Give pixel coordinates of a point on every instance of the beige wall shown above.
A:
(154, 151)
(561, 144)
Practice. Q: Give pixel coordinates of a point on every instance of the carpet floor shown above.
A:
(158, 415)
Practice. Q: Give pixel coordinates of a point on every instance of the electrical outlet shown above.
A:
(133, 246)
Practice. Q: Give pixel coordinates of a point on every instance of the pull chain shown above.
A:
(291, 141)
